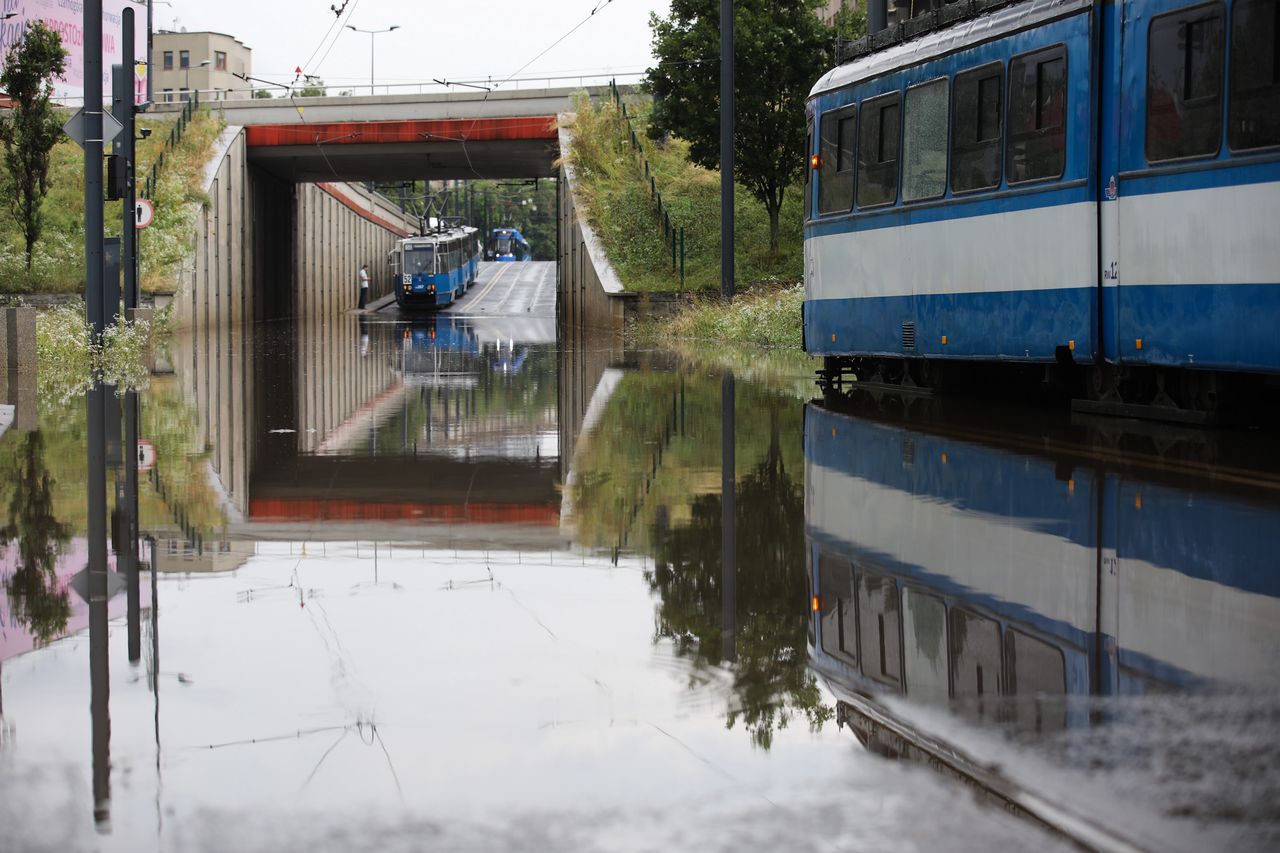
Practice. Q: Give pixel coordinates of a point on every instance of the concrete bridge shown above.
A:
(471, 104)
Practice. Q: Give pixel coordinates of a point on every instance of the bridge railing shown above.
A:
(175, 136)
(672, 235)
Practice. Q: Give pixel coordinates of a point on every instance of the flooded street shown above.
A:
(446, 582)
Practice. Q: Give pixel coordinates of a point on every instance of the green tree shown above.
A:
(771, 676)
(851, 22)
(34, 597)
(313, 87)
(781, 49)
(262, 93)
(31, 129)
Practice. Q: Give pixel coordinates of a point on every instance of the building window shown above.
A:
(924, 141)
(168, 95)
(878, 151)
(1253, 111)
(975, 129)
(1184, 84)
(168, 60)
(835, 188)
(219, 60)
(1037, 116)
(184, 59)
(184, 95)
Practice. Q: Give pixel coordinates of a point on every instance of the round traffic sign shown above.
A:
(143, 213)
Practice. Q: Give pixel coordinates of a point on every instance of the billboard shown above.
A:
(67, 18)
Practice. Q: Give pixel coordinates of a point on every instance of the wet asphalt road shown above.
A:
(506, 289)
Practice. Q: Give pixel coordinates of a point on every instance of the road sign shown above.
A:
(143, 213)
(146, 455)
(74, 127)
(80, 583)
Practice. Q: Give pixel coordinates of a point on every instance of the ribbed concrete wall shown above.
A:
(591, 296)
(266, 249)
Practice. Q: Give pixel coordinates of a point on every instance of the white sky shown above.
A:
(436, 39)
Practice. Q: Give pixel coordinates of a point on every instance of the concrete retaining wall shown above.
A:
(266, 249)
(592, 297)
(18, 369)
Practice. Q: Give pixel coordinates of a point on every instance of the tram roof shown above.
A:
(437, 236)
(935, 43)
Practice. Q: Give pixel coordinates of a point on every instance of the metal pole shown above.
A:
(726, 148)
(877, 15)
(97, 473)
(728, 522)
(371, 54)
(150, 100)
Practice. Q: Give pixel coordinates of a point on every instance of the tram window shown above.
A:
(418, 260)
(1036, 670)
(1037, 116)
(924, 141)
(839, 624)
(1253, 109)
(835, 181)
(1184, 84)
(879, 622)
(878, 152)
(975, 655)
(975, 129)
(924, 653)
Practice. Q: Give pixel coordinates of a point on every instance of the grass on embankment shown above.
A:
(611, 185)
(58, 260)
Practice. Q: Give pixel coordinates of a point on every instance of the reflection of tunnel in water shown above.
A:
(442, 418)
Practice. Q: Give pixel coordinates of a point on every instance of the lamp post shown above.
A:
(187, 84)
(372, 33)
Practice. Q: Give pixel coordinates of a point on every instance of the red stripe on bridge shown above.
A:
(517, 128)
(339, 509)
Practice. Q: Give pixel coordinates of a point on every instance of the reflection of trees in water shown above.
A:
(34, 597)
(771, 679)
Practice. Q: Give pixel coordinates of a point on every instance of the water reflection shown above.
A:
(37, 601)
(450, 555)
(1040, 576)
(1067, 599)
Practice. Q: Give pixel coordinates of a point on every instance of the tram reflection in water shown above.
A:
(952, 571)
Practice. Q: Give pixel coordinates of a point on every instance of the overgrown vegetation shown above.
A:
(68, 359)
(618, 205)
(766, 317)
(58, 256)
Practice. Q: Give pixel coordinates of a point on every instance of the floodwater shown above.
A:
(447, 583)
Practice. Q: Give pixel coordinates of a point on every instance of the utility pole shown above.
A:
(728, 520)
(125, 149)
(99, 673)
(726, 148)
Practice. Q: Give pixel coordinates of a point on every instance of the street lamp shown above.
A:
(187, 85)
(372, 33)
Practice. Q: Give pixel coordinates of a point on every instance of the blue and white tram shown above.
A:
(1036, 183)
(1038, 578)
(434, 269)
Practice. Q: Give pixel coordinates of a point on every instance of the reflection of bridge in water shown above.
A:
(345, 428)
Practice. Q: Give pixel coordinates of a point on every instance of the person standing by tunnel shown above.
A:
(364, 285)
